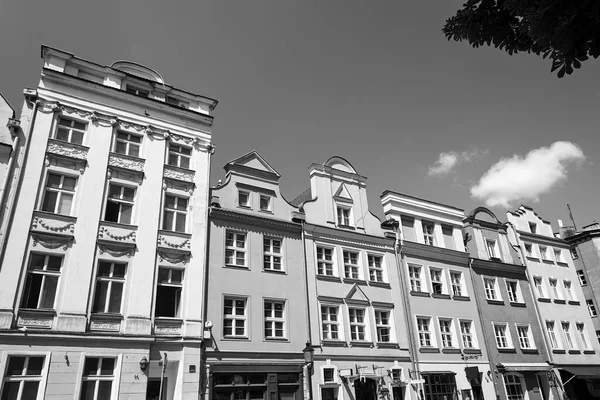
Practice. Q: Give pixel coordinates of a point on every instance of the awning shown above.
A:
(437, 373)
(583, 371)
(516, 367)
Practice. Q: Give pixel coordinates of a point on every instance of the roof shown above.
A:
(304, 196)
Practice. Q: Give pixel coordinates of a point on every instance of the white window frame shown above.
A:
(45, 273)
(355, 325)
(517, 296)
(271, 321)
(425, 335)
(120, 201)
(324, 261)
(338, 323)
(528, 253)
(495, 290)
(428, 237)
(42, 378)
(581, 277)
(521, 384)
(248, 194)
(176, 211)
(379, 325)
(235, 249)
(527, 338)
(441, 281)
(568, 287)
(70, 129)
(177, 151)
(591, 307)
(373, 268)
(544, 252)
(111, 281)
(491, 246)
(460, 285)
(235, 317)
(60, 192)
(334, 381)
(270, 255)
(343, 215)
(507, 335)
(584, 339)
(567, 335)
(470, 335)
(556, 292)
(114, 378)
(350, 266)
(558, 255)
(553, 337)
(414, 279)
(170, 283)
(540, 289)
(128, 143)
(447, 333)
(269, 199)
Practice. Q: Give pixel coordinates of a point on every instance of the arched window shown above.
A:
(514, 387)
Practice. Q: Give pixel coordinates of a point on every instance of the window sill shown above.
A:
(419, 294)
(274, 271)
(498, 302)
(589, 351)
(472, 351)
(506, 350)
(107, 316)
(357, 281)
(49, 312)
(518, 304)
(549, 262)
(560, 301)
(544, 299)
(273, 339)
(244, 207)
(559, 351)
(380, 284)
(334, 343)
(175, 233)
(266, 212)
(450, 350)
(240, 267)
(356, 343)
(350, 227)
(235, 339)
(328, 278)
(440, 296)
(118, 224)
(387, 345)
(462, 298)
(429, 350)
(562, 264)
(532, 258)
(574, 351)
(530, 351)
(574, 302)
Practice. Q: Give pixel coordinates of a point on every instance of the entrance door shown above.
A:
(365, 389)
(397, 392)
(153, 389)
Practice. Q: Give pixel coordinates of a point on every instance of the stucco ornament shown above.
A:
(48, 107)
(172, 258)
(170, 183)
(51, 243)
(69, 227)
(126, 162)
(65, 149)
(104, 231)
(179, 174)
(115, 251)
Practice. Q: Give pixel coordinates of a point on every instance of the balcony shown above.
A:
(120, 234)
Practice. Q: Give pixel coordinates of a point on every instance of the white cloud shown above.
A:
(448, 160)
(526, 178)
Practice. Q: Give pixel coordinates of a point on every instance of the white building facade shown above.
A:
(102, 273)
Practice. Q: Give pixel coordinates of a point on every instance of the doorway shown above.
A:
(153, 389)
(365, 389)
(398, 393)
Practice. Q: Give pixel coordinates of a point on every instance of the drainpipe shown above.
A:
(307, 371)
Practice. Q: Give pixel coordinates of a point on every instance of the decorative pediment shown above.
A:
(253, 164)
(356, 295)
(342, 194)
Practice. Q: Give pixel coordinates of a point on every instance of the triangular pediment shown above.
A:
(254, 161)
(343, 194)
(356, 294)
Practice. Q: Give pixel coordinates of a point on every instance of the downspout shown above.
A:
(307, 370)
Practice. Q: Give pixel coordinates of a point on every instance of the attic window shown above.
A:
(137, 91)
(176, 102)
(533, 227)
(343, 216)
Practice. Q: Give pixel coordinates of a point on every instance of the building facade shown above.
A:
(515, 342)
(450, 347)
(567, 324)
(102, 273)
(358, 323)
(255, 301)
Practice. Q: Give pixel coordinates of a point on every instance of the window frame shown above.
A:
(234, 317)
(70, 129)
(45, 273)
(442, 280)
(60, 192)
(111, 280)
(114, 378)
(248, 194)
(428, 238)
(177, 285)
(559, 258)
(372, 267)
(43, 377)
(581, 277)
(591, 307)
(379, 325)
(428, 335)
(568, 338)
(493, 251)
(273, 319)
(521, 384)
(447, 336)
(553, 338)
(528, 336)
(352, 266)
(528, 253)
(269, 208)
(235, 249)
(272, 254)
(540, 289)
(176, 212)
(496, 288)
(419, 279)
(324, 261)
(127, 143)
(584, 339)
(517, 295)
(471, 334)
(507, 335)
(354, 323)
(120, 201)
(570, 294)
(338, 323)
(556, 292)
(179, 154)
(343, 218)
(460, 285)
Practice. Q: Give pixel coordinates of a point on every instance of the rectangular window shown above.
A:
(382, 322)
(558, 255)
(551, 329)
(168, 292)
(574, 254)
(525, 337)
(447, 232)
(554, 287)
(235, 249)
(502, 336)
(440, 386)
(456, 278)
(22, 377)
(272, 254)
(351, 269)
(128, 144)
(446, 332)
(119, 204)
(243, 198)
(42, 281)
(585, 343)
(598, 336)
(343, 216)
(328, 393)
(544, 253)
(591, 308)
(581, 277)
(330, 322)
(539, 286)
(437, 283)
(415, 278)
(110, 281)
(466, 331)
(512, 288)
(71, 131)
(424, 328)
(328, 375)
(265, 202)
(274, 319)
(357, 324)
(234, 317)
(137, 91)
(528, 250)
(490, 288)
(325, 261)
(98, 377)
(568, 290)
(179, 156)
(175, 213)
(375, 268)
(491, 248)
(59, 193)
(533, 227)
(428, 235)
(408, 229)
(566, 328)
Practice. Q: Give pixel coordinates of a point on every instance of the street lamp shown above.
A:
(144, 364)
(309, 355)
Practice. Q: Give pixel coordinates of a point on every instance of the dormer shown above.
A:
(486, 237)
(528, 221)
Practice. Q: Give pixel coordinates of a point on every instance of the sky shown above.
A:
(374, 82)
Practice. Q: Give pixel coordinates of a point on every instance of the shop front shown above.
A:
(581, 382)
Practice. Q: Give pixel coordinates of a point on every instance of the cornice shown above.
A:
(534, 238)
(497, 266)
(334, 235)
(583, 236)
(256, 220)
(420, 250)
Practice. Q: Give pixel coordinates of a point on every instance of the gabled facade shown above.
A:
(568, 327)
(102, 271)
(255, 302)
(515, 342)
(450, 347)
(358, 322)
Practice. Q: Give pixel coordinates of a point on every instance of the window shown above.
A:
(265, 202)
(446, 332)
(581, 277)
(525, 337)
(598, 336)
(330, 322)
(491, 292)
(176, 102)
(591, 308)
(343, 216)
(243, 198)
(98, 377)
(272, 254)
(235, 249)
(424, 328)
(41, 281)
(533, 227)
(528, 250)
(415, 278)
(175, 213)
(539, 286)
(71, 131)
(274, 319)
(396, 374)
(550, 328)
(491, 248)
(456, 278)
(329, 393)
(428, 235)
(179, 156)
(358, 324)
(59, 193)
(351, 265)
(568, 290)
(437, 285)
(466, 332)
(558, 255)
(119, 204)
(128, 144)
(448, 234)
(328, 375)
(110, 280)
(375, 268)
(325, 261)
(514, 387)
(566, 328)
(554, 287)
(234, 317)
(440, 386)
(384, 328)
(512, 288)
(22, 377)
(585, 343)
(574, 254)
(168, 292)
(137, 91)
(502, 336)
(544, 253)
